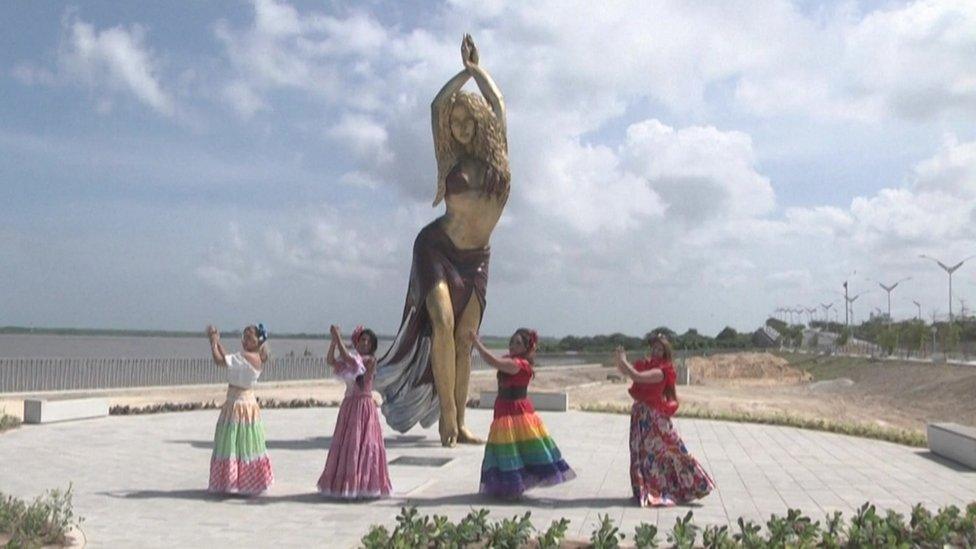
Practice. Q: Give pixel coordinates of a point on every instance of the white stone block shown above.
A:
(953, 441)
(48, 411)
(546, 402)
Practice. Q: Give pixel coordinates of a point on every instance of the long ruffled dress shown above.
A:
(662, 471)
(355, 467)
(519, 454)
(240, 463)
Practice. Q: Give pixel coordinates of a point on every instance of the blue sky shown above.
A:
(691, 166)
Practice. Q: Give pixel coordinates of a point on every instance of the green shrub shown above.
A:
(949, 527)
(8, 422)
(45, 521)
(645, 536)
(607, 536)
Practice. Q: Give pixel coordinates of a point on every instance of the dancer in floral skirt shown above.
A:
(662, 472)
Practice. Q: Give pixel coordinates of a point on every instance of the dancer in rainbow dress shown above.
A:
(519, 454)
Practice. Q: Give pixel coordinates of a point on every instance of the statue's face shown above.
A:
(463, 125)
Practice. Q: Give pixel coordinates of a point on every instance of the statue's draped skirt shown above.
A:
(404, 375)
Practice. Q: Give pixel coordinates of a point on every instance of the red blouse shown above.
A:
(518, 379)
(652, 394)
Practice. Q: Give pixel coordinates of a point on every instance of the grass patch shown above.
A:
(826, 367)
(8, 422)
(899, 436)
(45, 521)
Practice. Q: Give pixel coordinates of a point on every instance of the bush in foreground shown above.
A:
(8, 422)
(45, 521)
(866, 528)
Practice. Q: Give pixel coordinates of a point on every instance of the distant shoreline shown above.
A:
(23, 330)
(20, 330)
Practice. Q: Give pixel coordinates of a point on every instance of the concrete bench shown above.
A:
(547, 402)
(38, 410)
(953, 441)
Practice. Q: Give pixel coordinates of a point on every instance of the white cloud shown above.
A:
(243, 99)
(236, 267)
(116, 59)
(910, 60)
(366, 138)
(342, 245)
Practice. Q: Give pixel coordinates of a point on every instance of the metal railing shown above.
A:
(27, 375)
(23, 375)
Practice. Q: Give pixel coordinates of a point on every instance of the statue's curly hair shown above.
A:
(489, 145)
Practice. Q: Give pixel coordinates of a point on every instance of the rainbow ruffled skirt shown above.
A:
(520, 454)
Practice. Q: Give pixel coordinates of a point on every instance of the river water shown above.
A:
(88, 346)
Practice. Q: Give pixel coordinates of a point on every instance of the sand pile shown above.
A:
(744, 367)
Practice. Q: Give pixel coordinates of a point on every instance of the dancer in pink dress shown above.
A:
(356, 465)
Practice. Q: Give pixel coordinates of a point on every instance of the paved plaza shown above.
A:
(140, 481)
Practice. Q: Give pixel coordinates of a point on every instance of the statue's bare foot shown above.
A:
(465, 436)
(449, 433)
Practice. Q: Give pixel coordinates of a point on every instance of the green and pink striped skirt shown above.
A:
(240, 463)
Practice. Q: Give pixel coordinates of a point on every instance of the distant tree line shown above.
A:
(728, 338)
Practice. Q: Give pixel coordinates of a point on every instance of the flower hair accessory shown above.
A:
(356, 334)
(533, 338)
(262, 333)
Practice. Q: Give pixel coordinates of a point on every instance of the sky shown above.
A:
(694, 165)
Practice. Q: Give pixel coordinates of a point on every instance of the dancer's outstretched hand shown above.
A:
(619, 354)
(212, 332)
(334, 330)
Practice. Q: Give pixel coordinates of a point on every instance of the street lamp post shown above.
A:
(949, 270)
(919, 305)
(847, 300)
(888, 289)
(850, 306)
(826, 308)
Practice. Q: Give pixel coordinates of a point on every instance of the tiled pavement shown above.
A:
(140, 481)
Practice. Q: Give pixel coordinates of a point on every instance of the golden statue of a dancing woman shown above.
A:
(424, 375)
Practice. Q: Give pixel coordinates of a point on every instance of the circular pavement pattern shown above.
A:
(140, 481)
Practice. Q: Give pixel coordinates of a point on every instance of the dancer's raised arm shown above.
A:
(655, 375)
(330, 358)
(216, 349)
(501, 364)
(337, 340)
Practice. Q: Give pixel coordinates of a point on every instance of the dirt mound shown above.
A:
(751, 367)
